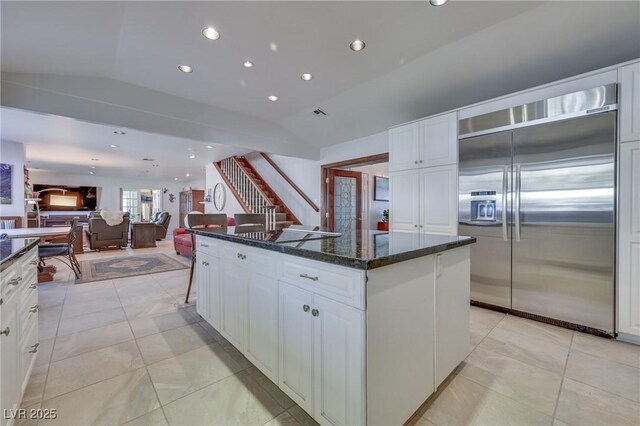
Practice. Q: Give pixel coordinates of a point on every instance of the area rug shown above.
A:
(127, 266)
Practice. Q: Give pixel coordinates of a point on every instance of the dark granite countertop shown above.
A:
(12, 249)
(361, 249)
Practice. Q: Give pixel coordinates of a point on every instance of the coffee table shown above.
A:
(143, 235)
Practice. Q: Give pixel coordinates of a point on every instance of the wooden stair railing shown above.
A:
(289, 181)
(250, 189)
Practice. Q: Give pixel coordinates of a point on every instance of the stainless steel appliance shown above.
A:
(537, 190)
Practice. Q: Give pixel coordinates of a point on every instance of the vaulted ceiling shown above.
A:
(115, 63)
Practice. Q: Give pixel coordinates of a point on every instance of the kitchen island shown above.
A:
(359, 328)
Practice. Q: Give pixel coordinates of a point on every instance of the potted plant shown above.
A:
(384, 224)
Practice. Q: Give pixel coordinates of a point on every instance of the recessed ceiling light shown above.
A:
(306, 76)
(185, 68)
(357, 45)
(91, 173)
(187, 175)
(119, 132)
(93, 167)
(273, 98)
(247, 64)
(437, 2)
(192, 156)
(175, 178)
(113, 146)
(211, 33)
(209, 146)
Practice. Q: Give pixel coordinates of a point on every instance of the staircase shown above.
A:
(251, 191)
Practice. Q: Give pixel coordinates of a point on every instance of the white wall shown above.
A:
(375, 207)
(231, 205)
(305, 173)
(109, 190)
(13, 153)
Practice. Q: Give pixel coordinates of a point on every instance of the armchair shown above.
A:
(102, 235)
(161, 221)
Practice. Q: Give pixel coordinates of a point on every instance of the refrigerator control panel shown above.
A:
(483, 210)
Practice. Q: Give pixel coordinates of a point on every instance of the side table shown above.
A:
(143, 235)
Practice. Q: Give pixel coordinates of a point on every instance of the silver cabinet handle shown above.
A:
(6, 331)
(205, 263)
(204, 245)
(33, 286)
(305, 308)
(505, 185)
(309, 277)
(34, 348)
(34, 309)
(242, 256)
(517, 202)
(15, 281)
(33, 262)
(315, 312)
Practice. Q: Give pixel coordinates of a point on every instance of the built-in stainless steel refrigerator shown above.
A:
(537, 190)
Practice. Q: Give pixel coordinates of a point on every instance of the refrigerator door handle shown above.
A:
(505, 182)
(516, 210)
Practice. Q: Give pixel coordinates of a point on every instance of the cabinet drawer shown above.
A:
(11, 280)
(28, 351)
(262, 261)
(207, 245)
(28, 311)
(339, 284)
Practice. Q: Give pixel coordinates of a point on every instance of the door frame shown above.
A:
(324, 175)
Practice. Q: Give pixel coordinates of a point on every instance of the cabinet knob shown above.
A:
(34, 348)
(305, 308)
(420, 161)
(6, 331)
(415, 162)
(315, 312)
(421, 226)
(242, 256)
(415, 226)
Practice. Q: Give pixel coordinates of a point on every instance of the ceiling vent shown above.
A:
(319, 112)
(147, 159)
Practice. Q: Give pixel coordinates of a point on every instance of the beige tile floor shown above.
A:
(130, 351)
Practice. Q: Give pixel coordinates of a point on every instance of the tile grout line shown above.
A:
(564, 372)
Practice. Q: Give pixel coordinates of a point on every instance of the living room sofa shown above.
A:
(182, 241)
(102, 235)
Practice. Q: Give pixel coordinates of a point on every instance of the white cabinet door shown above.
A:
(630, 102)
(338, 332)
(233, 303)
(404, 201)
(629, 241)
(262, 324)
(9, 362)
(452, 311)
(213, 291)
(296, 340)
(404, 147)
(439, 140)
(439, 200)
(202, 278)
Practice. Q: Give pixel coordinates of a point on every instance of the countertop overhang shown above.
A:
(14, 248)
(363, 250)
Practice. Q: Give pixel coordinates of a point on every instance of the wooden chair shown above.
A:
(201, 220)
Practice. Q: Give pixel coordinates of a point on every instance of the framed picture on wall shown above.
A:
(381, 188)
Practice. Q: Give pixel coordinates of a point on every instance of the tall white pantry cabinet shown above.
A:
(423, 176)
(629, 204)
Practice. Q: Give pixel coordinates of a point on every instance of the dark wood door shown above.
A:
(345, 200)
